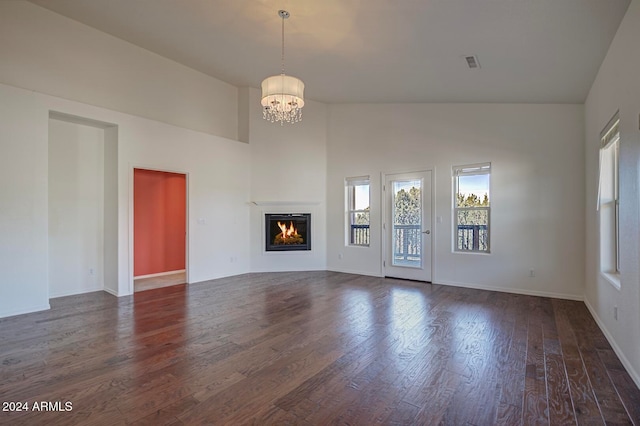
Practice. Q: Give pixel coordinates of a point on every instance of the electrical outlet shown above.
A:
(91, 271)
(340, 256)
(532, 273)
(615, 313)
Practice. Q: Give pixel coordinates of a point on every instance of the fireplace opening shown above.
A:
(287, 232)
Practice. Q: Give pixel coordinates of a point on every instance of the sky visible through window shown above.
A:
(362, 197)
(474, 184)
(399, 185)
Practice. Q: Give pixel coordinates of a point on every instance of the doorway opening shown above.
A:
(160, 229)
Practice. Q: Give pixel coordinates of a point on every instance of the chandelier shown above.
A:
(282, 95)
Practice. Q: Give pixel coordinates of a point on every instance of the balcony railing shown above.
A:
(473, 238)
(407, 243)
(360, 235)
(407, 239)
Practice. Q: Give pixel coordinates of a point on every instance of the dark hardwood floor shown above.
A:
(313, 348)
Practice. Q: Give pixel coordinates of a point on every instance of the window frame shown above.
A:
(351, 212)
(610, 244)
(470, 170)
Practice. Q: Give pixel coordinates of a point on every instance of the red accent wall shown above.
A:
(159, 221)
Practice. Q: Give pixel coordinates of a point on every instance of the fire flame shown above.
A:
(287, 232)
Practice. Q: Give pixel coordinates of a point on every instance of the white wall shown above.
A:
(536, 154)
(111, 209)
(52, 54)
(617, 87)
(76, 208)
(288, 173)
(218, 194)
(23, 203)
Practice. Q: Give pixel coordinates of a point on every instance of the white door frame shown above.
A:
(384, 211)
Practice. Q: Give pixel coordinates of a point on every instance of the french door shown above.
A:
(407, 225)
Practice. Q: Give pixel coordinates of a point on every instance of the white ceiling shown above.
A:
(540, 51)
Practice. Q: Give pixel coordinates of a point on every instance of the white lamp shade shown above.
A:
(284, 90)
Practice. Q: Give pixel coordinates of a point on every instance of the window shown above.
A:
(608, 197)
(358, 220)
(472, 207)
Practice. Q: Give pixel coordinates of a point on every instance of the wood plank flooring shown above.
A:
(313, 348)
(150, 283)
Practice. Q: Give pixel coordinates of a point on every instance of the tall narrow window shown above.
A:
(472, 207)
(357, 199)
(608, 197)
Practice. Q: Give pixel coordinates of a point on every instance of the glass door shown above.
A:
(407, 226)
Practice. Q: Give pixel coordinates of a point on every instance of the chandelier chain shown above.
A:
(282, 58)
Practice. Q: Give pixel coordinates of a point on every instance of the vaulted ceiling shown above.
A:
(540, 51)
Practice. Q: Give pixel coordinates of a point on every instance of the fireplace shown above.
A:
(287, 232)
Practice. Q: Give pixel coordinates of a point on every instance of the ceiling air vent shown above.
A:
(472, 61)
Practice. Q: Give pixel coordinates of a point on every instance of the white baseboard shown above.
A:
(160, 274)
(283, 269)
(479, 287)
(111, 291)
(353, 271)
(32, 309)
(514, 290)
(83, 291)
(625, 362)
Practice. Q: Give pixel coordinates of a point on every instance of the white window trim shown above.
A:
(470, 170)
(613, 279)
(350, 184)
(610, 136)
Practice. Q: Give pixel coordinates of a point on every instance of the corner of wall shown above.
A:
(244, 114)
(632, 372)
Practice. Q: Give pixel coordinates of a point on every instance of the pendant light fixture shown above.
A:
(282, 95)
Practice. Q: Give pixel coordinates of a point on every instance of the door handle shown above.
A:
(426, 232)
